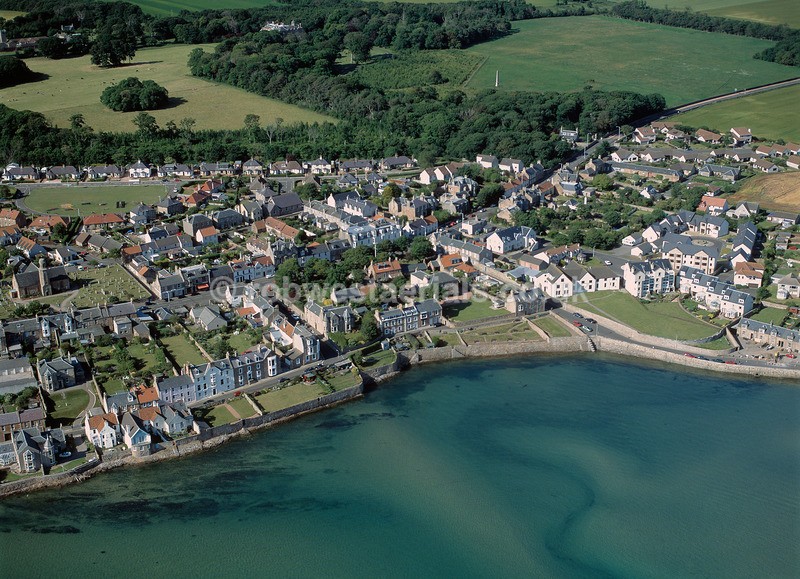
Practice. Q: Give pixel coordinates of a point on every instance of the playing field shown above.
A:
(564, 54)
(780, 191)
(770, 115)
(770, 11)
(87, 199)
(74, 86)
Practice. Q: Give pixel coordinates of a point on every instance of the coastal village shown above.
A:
(253, 291)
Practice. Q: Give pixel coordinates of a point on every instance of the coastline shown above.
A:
(216, 436)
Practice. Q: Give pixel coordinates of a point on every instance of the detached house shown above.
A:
(741, 136)
(511, 239)
(139, 170)
(102, 429)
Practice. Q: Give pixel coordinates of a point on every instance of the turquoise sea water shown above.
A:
(528, 467)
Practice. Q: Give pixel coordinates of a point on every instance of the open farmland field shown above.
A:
(10, 14)
(565, 54)
(74, 86)
(172, 7)
(770, 115)
(769, 11)
(87, 199)
(778, 192)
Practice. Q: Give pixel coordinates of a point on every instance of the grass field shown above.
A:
(182, 350)
(98, 286)
(92, 199)
(565, 54)
(552, 327)
(289, 396)
(769, 115)
(769, 11)
(780, 191)
(341, 380)
(469, 311)
(171, 7)
(74, 86)
(663, 319)
(10, 14)
(379, 358)
(68, 405)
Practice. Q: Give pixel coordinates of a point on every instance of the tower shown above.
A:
(496, 79)
(44, 280)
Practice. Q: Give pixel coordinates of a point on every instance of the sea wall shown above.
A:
(651, 353)
(206, 439)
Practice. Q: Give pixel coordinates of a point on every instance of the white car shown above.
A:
(607, 262)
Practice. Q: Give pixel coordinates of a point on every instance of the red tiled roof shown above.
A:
(102, 219)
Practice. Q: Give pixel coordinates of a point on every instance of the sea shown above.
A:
(535, 466)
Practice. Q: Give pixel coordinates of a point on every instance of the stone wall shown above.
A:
(651, 353)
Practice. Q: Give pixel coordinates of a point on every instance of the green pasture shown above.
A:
(88, 199)
(10, 14)
(769, 11)
(172, 8)
(411, 69)
(74, 86)
(565, 54)
(770, 115)
(663, 319)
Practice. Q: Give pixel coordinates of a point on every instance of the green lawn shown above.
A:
(242, 407)
(767, 114)
(342, 380)
(87, 199)
(183, 350)
(242, 341)
(68, 405)
(552, 327)
(379, 358)
(519, 331)
(449, 339)
(770, 316)
(219, 415)
(101, 285)
(663, 319)
(718, 344)
(469, 311)
(289, 396)
(74, 86)
(145, 361)
(565, 54)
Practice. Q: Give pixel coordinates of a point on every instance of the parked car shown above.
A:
(577, 324)
(688, 355)
(607, 262)
(578, 315)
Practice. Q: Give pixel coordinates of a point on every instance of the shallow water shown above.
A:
(559, 467)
